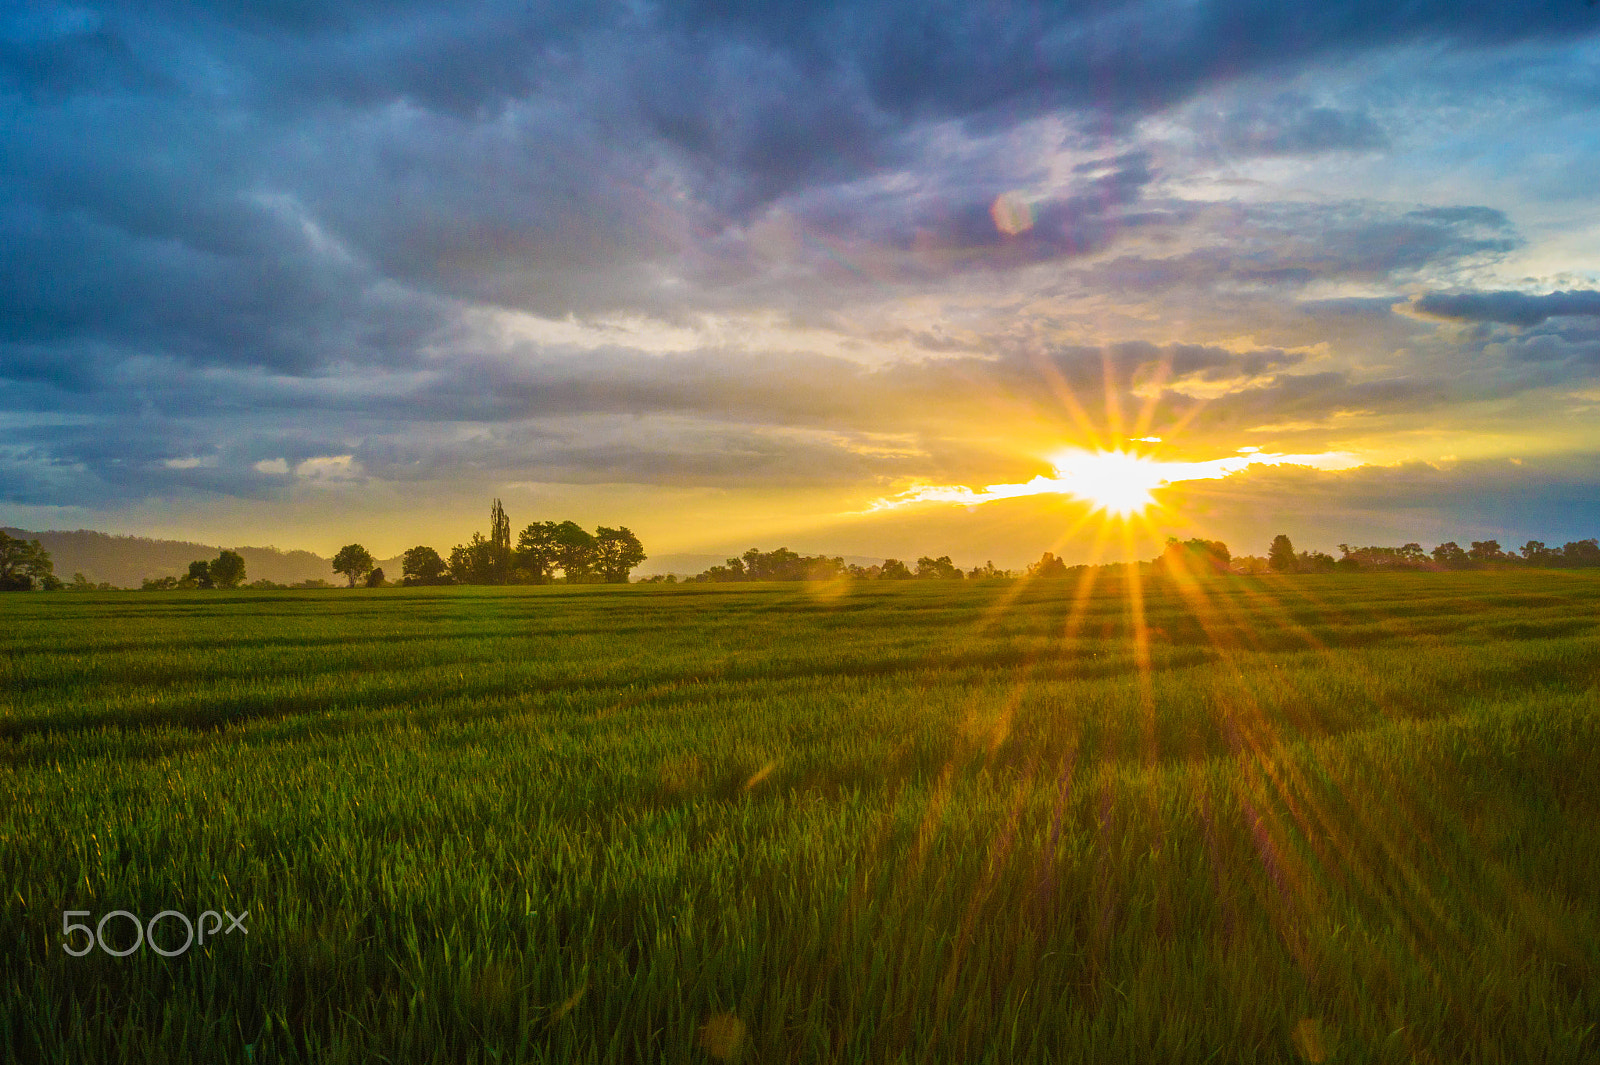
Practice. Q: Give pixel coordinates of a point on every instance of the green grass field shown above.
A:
(1352, 818)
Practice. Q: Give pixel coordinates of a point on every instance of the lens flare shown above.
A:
(1011, 213)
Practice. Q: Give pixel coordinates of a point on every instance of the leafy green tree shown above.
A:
(1195, 555)
(1535, 553)
(353, 562)
(1048, 566)
(227, 570)
(375, 579)
(1486, 551)
(785, 565)
(473, 562)
(1281, 556)
(937, 569)
(200, 574)
(733, 571)
(894, 570)
(617, 552)
(538, 552)
(1450, 555)
(1581, 553)
(1316, 562)
(575, 552)
(24, 563)
(422, 565)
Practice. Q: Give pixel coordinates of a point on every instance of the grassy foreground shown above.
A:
(1351, 818)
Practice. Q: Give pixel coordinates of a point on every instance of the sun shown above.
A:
(1118, 483)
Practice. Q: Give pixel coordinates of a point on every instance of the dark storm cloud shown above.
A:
(1509, 308)
(528, 168)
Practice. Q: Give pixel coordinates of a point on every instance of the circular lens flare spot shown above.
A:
(1011, 214)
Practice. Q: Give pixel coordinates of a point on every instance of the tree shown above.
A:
(780, 565)
(575, 552)
(24, 562)
(1048, 566)
(422, 565)
(200, 574)
(894, 570)
(1195, 555)
(1281, 556)
(375, 579)
(1316, 562)
(538, 553)
(1535, 553)
(1449, 554)
(941, 568)
(353, 562)
(1486, 551)
(473, 562)
(1581, 553)
(227, 570)
(499, 545)
(617, 551)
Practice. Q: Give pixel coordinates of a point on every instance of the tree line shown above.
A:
(1195, 556)
(548, 551)
(1479, 554)
(544, 552)
(786, 565)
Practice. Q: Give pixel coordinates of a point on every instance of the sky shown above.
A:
(813, 274)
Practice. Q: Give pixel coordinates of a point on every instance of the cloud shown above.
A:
(54, 54)
(1509, 308)
(1549, 498)
(328, 469)
(254, 247)
(1291, 124)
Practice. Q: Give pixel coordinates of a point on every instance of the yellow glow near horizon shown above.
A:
(1118, 483)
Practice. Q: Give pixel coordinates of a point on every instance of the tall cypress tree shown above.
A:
(500, 542)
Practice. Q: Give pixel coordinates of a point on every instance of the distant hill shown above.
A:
(126, 561)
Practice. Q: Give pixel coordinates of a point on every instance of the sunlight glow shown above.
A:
(1118, 483)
